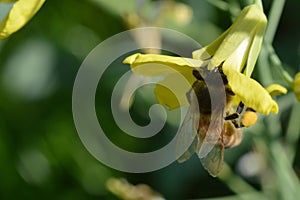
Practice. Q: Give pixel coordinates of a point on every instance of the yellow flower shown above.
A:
(21, 12)
(238, 46)
(296, 86)
(275, 90)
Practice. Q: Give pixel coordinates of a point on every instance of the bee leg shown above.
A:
(235, 123)
(240, 107)
(232, 116)
(236, 115)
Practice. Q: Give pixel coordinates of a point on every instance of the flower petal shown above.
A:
(156, 65)
(172, 89)
(276, 89)
(21, 12)
(240, 43)
(208, 51)
(179, 77)
(250, 92)
(256, 44)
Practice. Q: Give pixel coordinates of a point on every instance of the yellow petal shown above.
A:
(156, 65)
(248, 27)
(208, 51)
(250, 92)
(171, 91)
(256, 44)
(21, 12)
(296, 87)
(237, 59)
(275, 89)
(240, 43)
(179, 77)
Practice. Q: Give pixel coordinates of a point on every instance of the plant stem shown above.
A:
(275, 61)
(234, 182)
(273, 19)
(219, 4)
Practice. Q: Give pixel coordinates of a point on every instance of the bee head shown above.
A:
(205, 74)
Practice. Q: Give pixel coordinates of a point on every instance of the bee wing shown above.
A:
(187, 133)
(210, 149)
(213, 161)
(213, 133)
(186, 138)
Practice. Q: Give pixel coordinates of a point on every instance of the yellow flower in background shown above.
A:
(125, 190)
(21, 12)
(238, 46)
(296, 86)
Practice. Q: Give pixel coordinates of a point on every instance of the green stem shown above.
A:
(234, 182)
(275, 62)
(273, 19)
(259, 3)
(219, 4)
(293, 131)
(288, 183)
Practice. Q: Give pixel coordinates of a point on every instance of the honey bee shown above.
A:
(214, 124)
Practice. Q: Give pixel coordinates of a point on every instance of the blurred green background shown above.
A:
(41, 155)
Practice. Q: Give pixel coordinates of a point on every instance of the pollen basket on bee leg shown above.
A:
(249, 119)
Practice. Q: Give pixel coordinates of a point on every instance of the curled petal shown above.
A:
(275, 89)
(21, 12)
(250, 92)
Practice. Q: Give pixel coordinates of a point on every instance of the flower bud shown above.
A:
(297, 86)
